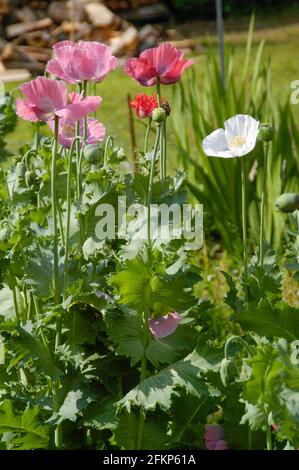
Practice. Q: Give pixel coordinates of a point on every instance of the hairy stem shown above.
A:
(150, 186)
(263, 203)
(68, 211)
(56, 287)
(164, 151)
(244, 223)
(78, 151)
(147, 135)
(161, 136)
(54, 215)
(141, 420)
(235, 339)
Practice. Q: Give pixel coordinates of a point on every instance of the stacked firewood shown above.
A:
(30, 28)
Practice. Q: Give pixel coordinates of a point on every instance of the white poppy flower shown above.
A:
(236, 139)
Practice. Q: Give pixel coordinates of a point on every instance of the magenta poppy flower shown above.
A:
(215, 438)
(45, 98)
(67, 131)
(76, 62)
(164, 326)
(165, 62)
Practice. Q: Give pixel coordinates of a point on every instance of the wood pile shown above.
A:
(29, 29)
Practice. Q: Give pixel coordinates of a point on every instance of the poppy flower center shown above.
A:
(237, 141)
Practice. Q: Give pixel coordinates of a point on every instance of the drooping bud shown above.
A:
(159, 115)
(30, 177)
(92, 153)
(228, 371)
(20, 170)
(166, 106)
(265, 132)
(287, 202)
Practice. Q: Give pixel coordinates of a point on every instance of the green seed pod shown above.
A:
(228, 371)
(265, 132)
(20, 170)
(92, 153)
(30, 177)
(159, 115)
(287, 202)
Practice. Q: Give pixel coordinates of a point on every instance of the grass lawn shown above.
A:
(281, 34)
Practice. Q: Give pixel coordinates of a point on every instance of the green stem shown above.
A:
(85, 118)
(84, 138)
(30, 307)
(54, 215)
(95, 93)
(36, 307)
(161, 140)
(263, 203)
(140, 431)
(159, 92)
(236, 339)
(183, 429)
(68, 212)
(147, 135)
(59, 212)
(150, 186)
(164, 152)
(25, 300)
(143, 374)
(58, 436)
(244, 222)
(269, 438)
(78, 151)
(56, 406)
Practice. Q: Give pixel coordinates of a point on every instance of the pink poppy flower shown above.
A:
(214, 437)
(164, 326)
(164, 61)
(45, 98)
(85, 60)
(67, 131)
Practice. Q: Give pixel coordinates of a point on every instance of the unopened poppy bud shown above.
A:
(287, 202)
(228, 371)
(92, 153)
(20, 170)
(159, 115)
(30, 177)
(265, 132)
(166, 106)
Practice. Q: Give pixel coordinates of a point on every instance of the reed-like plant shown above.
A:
(207, 104)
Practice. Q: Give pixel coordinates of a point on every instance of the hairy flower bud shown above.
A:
(228, 371)
(30, 177)
(159, 115)
(166, 106)
(287, 202)
(265, 132)
(20, 170)
(92, 153)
